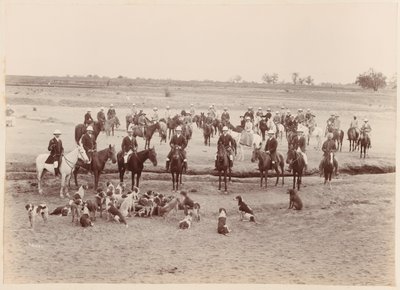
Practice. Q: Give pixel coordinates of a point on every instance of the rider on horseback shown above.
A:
(227, 141)
(271, 146)
(101, 117)
(249, 114)
(354, 124)
(56, 150)
(192, 110)
(365, 130)
(154, 118)
(142, 122)
(88, 118)
(330, 123)
(89, 142)
(301, 146)
(300, 118)
(225, 116)
(111, 112)
(308, 115)
(268, 115)
(177, 140)
(336, 123)
(129, 145)
(168, 113)
(328, 147)
(133, 109)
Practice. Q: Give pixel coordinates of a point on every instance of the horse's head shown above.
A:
(111, 153)
(153, 156)
(255, 154)
(82, 154)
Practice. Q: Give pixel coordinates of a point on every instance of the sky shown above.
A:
(331, 42)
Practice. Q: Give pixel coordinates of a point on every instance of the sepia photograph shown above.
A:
(217, 142)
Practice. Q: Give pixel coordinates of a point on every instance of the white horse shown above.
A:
(318, 133)
(281, 131)
(257, 143)
(67, 165)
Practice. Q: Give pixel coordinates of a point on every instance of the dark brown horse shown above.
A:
(148, 133)
(135, 164)
(99, 159)
(199, 120)
(365, 143)
(172, 123)
(265, 164)
(328, 166)
(207, 130)
(352, 136)
(338, 137)
(217, 126)
(110, 125)
(296, 161)
(263, 127)
(187, 131)
(223, 166)
(176, 168)
(80, 130)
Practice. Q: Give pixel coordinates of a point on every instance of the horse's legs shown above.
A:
(294, 179)
(39, 177)
(173, 181)
(225, 181)
(298, 181)
(261, 177)
(219, 178)
(75, 173)
(266, 177)
(230, 174)
(96, 178)
(138, 178)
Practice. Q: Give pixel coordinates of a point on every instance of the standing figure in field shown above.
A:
(88, 120)
(328, 147)
(192, 110)
(56, 150)
(155, 118)
(177, 140)
(270, 147)
(227, 141)
(111, 112)
(129, 146)
(88, 141)
(225, 118)
(101, 118)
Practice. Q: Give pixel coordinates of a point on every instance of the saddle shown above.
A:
(51, 159)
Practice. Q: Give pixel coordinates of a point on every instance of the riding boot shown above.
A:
(215, 165)
(230, 163)
(167, 165)
(56, 172)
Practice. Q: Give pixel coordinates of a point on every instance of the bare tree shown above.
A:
(275, 78)
(309, 80)
(301, 80)
(236, 79)
(295, 75)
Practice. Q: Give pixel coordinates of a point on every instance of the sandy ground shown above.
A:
(344, 236)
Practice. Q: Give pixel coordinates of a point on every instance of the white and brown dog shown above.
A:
(61, 210)
(37, 210)
(85, 219)
(222, 227)
(186, 222)
(81, 191)
(246, 213)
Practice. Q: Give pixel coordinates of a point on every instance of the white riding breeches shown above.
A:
(304, 155)
(55, 164)
(126, 155)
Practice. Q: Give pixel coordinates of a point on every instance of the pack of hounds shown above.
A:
(117, 204)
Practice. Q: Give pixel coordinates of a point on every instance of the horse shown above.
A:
(135, 164)
(352, 136)
(257, 141)
(207, 129)
(262, 125)
(80, 130)
(297, 163)
(280, 131)
(365, 143)
(110, 124)
(328, 166)
(176, 167)
(68, 162)
(223, 165)
(172, 123)
(265, 164)
(163, 131)
(148, 133)
(217, 126)
(99, 159)
(199, 120)
(338, 137)
(187, 131)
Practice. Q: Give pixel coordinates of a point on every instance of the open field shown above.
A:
(344, 236)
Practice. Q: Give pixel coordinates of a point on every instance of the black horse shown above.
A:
(295, 159)
(80, 130)
(172, 123)
(263, 127)
(148, 133)
(176, 168)
(328, 165)
(265, 164)
(135, 164)
(338, 137)
(365, 143)
(223, 166)
(352, 136)
(97, 165)
(207, 130)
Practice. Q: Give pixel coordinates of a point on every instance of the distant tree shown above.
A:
(266, 78)
(167, 93)
(236, 79)
(301, 80)
(89, 76)
(275, 78)
(120, 77)
(371, 80)
(309, 80)
(295, 75)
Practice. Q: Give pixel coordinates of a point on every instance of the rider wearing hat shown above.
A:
(88, 141)
(154, 118)
(277, 118)
(101, 117)
(271, 146)
(134, 109)
(301, 146)
(268, 115)
(365, 130)
(228, 142)
(330, 122)
(354, 124)
(129, 145)
(177, 140)
(88, 118)
(292, 124)
(336, 123)
(300, 116)
(168, 113)
(328, 146)
(308, 114)
(111, 112)
(56, 150)
(249, 113)
(225, 118)
(287, 118)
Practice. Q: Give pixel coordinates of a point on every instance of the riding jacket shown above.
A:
(366, 128)
(271, 145)
(88, 119)
(249, 114)
(354, 124)
(226, 140)
(55, 148)
(225, 117)
(178, 141)
(129, 144)
(111, 114)
(328, 146)
(101, 117)
(88, 142)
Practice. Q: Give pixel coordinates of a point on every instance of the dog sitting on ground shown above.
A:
(186, 222)
(61, 210)
(110, 188)
(222, 227)
(116, 214)
(85, 220)
(196, 211)
(246, 213)
(37, 210)
(100, 198)
(294, 200)
(92, 208)
(120, 189)
(81, 191)
(127, 203)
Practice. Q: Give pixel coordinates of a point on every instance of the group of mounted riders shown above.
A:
(249, 122)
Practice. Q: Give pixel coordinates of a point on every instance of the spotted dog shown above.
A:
(61, 210)
(85, 219)
(37, 210)
(186, 222)
(246, 213)
(81, 191)
(222, 228)
(116, 214)
(76, 208)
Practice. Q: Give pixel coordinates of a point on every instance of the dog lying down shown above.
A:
(222, 228)
(246, 213)
(186, 222)
(62, 210)
(37, 210)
